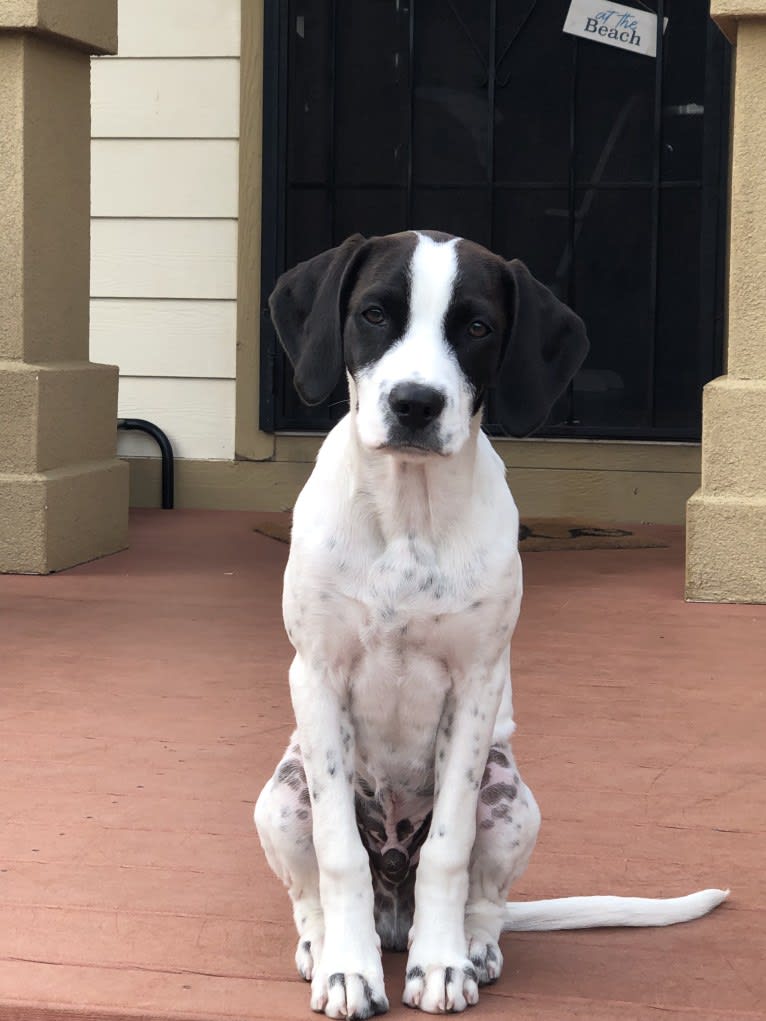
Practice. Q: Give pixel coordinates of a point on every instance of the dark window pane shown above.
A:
(683, 93)
(371, 94)
(533, 92)
(369, 211)
(464, 212)
(308, 230)
(531, 225)
(678, 382)
(309, 95)
(451, 112)
(612, 284)
(615, 102)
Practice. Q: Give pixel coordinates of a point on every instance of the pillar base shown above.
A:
(725, 543)
(56, 519)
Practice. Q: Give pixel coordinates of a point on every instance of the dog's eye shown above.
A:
(374, 315)
(478, 329)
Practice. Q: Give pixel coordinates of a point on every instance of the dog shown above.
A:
(397, 816)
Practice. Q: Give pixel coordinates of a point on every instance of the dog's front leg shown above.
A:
(440, 976)
(348, 978)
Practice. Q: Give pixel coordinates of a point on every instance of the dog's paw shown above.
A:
(348, 994)
(487, 959)
(441, 988)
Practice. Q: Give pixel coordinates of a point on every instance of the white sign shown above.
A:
(614, 24)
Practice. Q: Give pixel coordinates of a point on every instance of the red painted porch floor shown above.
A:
(143, 702)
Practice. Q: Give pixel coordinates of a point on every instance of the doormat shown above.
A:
(537, 535)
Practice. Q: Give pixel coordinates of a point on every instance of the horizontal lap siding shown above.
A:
(164, 206)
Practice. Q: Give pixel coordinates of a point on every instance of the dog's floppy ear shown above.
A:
(306, 312)
(546, 345)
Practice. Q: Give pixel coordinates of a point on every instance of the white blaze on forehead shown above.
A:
(432, 274)
(421, 355)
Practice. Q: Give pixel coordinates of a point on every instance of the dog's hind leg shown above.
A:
(507, 823)
(283, 821)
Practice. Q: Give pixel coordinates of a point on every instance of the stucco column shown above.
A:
(63, 492)
(726, 517)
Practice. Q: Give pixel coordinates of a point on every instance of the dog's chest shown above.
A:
(420, 613)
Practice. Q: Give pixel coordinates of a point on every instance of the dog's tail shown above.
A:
(594, 912)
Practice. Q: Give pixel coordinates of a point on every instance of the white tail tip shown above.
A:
(595, 912)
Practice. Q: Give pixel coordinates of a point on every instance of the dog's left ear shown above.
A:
(545, 347)
(306, 312)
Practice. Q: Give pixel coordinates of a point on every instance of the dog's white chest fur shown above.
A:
(398, 612)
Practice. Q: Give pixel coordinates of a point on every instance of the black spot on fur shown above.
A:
(416, 972)
(336, 979)
(499, 759)
(486, 824)
(304, 797)
(403, 829)
(291, 772)
(497, 792)
(502, 811)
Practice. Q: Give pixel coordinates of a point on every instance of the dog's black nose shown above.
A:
(415, 405)
(395, 865)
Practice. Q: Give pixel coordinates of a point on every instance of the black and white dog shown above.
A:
(397, 816)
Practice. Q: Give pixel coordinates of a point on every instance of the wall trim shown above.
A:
(249, 441)
(599, 481)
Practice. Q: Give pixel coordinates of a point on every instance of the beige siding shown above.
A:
(163, 259)
(179, 28)
(185, 178)
(198, 414)
(187, 339)
(159, 98)
(164, 205)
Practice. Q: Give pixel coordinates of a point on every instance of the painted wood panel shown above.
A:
(165, 338)
(158, 98)
(196, 414)
(163, 258)
(175, 28)
(164, 177)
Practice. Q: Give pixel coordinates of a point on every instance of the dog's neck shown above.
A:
(424, 496)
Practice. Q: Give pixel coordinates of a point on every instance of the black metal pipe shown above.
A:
(166, 451)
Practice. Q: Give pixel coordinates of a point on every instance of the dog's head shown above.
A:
(425, 323)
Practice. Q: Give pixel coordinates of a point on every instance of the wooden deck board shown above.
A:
(143, 702)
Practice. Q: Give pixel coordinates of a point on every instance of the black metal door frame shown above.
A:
(274, 371)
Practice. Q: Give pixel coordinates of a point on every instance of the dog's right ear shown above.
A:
(306, 312)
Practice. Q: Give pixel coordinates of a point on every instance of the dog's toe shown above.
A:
(304, 958)
(487, 959)
(349, 995)
(441, 989)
